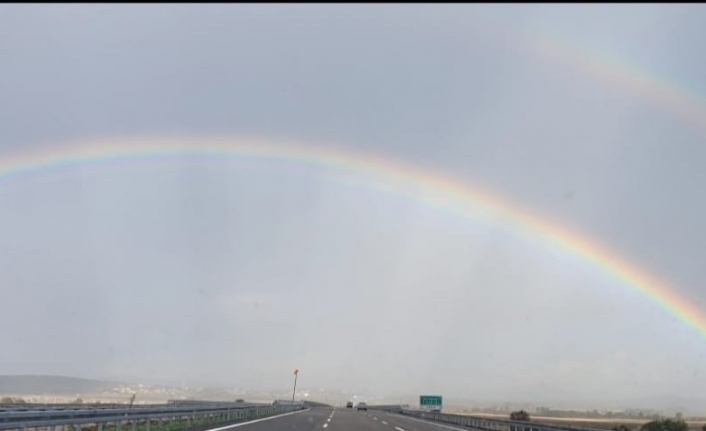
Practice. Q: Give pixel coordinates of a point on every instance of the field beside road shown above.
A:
(600, 423)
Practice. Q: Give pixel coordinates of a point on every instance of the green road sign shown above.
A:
(432, 402)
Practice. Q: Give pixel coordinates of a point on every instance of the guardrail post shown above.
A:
(148, 424)
(118, 425)
(100, 427)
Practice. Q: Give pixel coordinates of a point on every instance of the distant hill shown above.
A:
(54, 385)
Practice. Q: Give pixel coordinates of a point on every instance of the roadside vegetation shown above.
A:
(520, 415)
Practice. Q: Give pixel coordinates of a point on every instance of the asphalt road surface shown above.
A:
(339, 419)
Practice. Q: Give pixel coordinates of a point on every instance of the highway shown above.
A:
(338, 419)
(279, 416)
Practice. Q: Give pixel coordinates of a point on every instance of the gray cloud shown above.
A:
(236, 274)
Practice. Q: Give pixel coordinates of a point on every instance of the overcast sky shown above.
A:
(236, 274)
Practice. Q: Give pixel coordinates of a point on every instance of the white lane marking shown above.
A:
(399, 429)
(257, 420)
(328, 420)
(384, 423)
(325, 425)
(375, 418)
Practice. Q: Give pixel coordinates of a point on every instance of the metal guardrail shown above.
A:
(56, 407)
(103, 406)
(164, 418)
(480, 423)
(95, 413)
(189, 402)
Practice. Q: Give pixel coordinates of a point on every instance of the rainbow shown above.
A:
(431, 188)
(682, 102)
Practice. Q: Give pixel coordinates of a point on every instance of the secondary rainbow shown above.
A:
(665, 94)
(432, 188)
(662, 93)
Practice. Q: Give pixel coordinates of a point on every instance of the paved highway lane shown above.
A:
(305, 420)
(339, 419)
(353, 420)
(406, 423)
